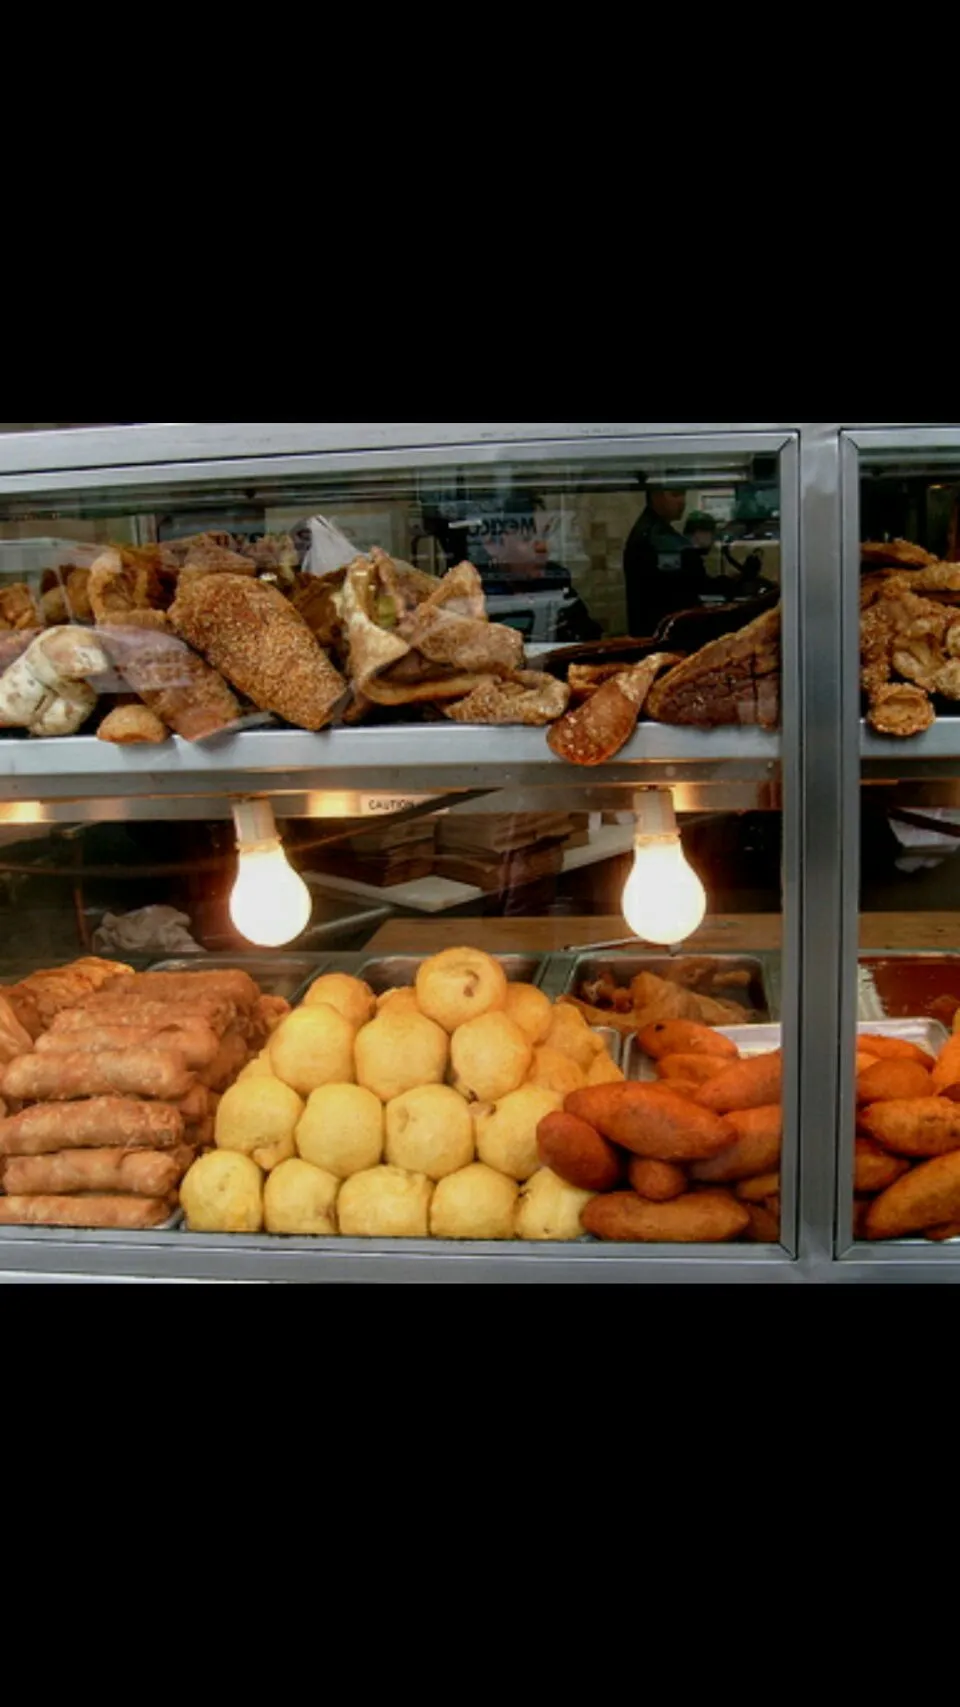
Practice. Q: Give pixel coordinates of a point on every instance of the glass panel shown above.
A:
(617, 943)
(907, 1166)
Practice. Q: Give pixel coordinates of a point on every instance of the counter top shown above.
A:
(760, 932)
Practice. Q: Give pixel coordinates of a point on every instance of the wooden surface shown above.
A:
(738, 934)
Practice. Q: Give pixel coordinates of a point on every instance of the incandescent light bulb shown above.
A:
(270, 904)
(664, 900)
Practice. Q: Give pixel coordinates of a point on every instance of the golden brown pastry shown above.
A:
(131, 1013)
(127, 579)
(250, 633)
(154, 1073)
(14, 1038)
(899, 709)
(137, 1173)
(113, 1122)
(528, 698)
(896, 553)
(133, 726)
(232, 986)
(38, 999)
(197, 1043)
(125, 1214)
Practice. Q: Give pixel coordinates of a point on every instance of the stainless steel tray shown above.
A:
(758, 997)
(761, 1039)
(277, 974)
(749, 1039)
(396, 971)
(614, 1041)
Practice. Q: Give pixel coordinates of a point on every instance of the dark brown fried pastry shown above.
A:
(894, 554)
(734, 680)
(250, 632)
(596, 731)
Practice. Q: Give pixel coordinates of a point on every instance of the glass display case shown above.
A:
(899, 1184)
(508, 708)
(463, 852)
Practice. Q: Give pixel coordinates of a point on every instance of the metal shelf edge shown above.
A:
(463, 757)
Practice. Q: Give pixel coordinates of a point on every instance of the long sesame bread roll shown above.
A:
(123, 1214)
(253, 636)
(157, 1073)
(104, 1122)
(131, 1173)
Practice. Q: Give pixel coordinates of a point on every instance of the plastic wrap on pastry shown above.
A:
(178, 687)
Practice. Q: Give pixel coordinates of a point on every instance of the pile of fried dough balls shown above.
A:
(411, 1116)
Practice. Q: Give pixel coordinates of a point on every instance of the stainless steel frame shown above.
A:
(337, 774)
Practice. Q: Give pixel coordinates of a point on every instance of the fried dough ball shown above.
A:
(300, 1201)
(430, 1131)
(385, 1203)
(260, 1067)
(313, 1047)
(531, 1010)
(460, 985)
(259, 1118)
(223, 1193)
(571, 1036)
(403, 1000)
(350, 996)
(490, 1056)
(399, 1051)
(556, 1073)
(341, 1130)
(476, 1203)
(507, 1132)
(550, 1209)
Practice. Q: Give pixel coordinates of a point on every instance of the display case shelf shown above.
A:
(886, 756)
(421, 758)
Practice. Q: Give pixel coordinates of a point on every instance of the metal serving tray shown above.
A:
(397, 971)
(762, 1039)
(759, 994)
(749, 1039)
(277, 974)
